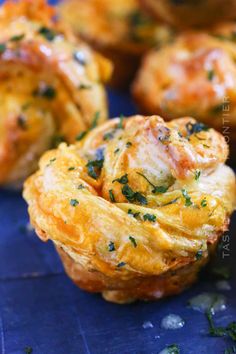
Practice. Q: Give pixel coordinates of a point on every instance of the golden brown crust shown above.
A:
(195, 76)
(50, 84)
(134, 201)
(117, 29)
(187, 13)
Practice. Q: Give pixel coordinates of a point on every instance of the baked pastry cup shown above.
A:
(119, 29)
(184, 13)
(194, 76)
(137, 207)
(51, 86)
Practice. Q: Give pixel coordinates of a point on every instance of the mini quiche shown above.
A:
(119, 29)
(195, 76)
(187, 13)
(50, 86)
(135, 208)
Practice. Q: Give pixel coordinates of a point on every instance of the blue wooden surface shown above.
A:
(41, 308)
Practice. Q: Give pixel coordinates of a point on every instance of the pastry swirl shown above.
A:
(50, 83)
(136, 207)
(194, 76)
(119, 29)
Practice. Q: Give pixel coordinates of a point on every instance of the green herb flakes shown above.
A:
(133, 241)
(197, 175)
(199, 255)
(194, 128)
(94, 168)
(204, 203)
(111, 247)
(156, 189)
(2, 48)
(47, 33)
(84, 87)
(122, 180)
(120, 124)
(210, 75)
(111, 195)
(74, 202)
(128, 144)
(81, 135)
(108, 136)
(45, 91)
(132, 196)
(188, 201)
(134, 214)
(17, 38)
(149, 217)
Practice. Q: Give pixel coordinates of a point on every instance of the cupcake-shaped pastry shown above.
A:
(50, 87)
(137, 207)
(195, 76)
(186, 13)
(119, 29)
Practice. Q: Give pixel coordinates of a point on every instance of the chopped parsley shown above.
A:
(128, 144)
(204, 203)
(72, 168)
(121, 264)
(188, 201)
(57, 140)
(194, 128)
(134, 214)
(122, 180)
(81, 135)
(17, 38)
(47, 33)
(149, 217)
(230, 350)
(81, 187)
(45, 91)
(120, 124)
(21, 121)
(111, 247)
(199, 255)
(84, 87)
(51, 161)
(111, 195)
(228, 331)
(74, 202)
(132, 196)
(173, 349)
(133, 241)
(80, 58)
(94, 168)
(108, 136)
(156, 189)
(210, 75)
(197, 175)
(116, 150)
(2, 48)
